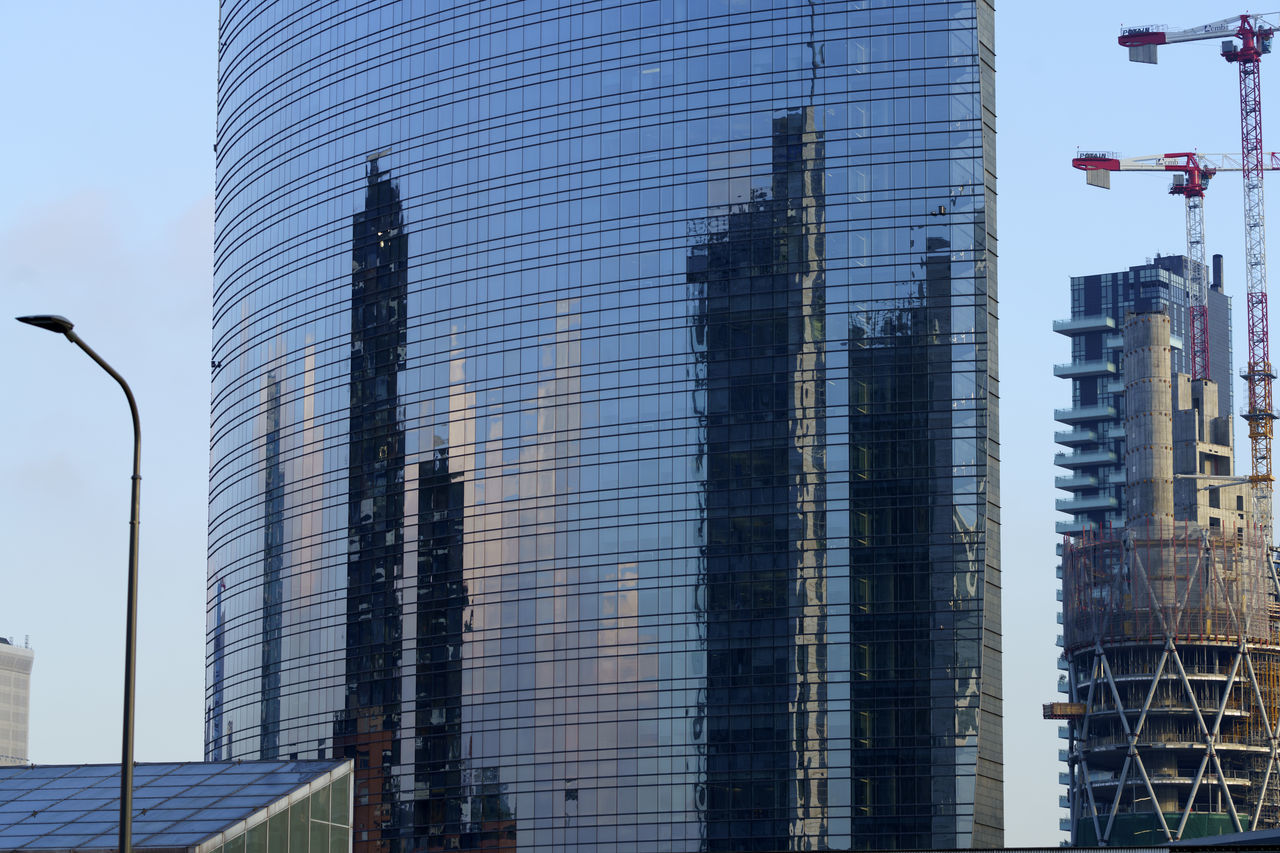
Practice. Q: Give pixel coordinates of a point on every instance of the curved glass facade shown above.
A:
(604, 440)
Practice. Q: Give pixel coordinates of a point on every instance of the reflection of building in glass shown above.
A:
(368, 729)
(623, 477)
(214, 735)
(760, 281)
(15, 701)
(442, 602)
(272, 576)
(916, 426)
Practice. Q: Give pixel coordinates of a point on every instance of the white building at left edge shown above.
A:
(15, 701)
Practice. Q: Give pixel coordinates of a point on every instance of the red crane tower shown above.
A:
(1254, 33)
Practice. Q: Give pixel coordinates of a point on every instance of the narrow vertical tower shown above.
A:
(1148, 422)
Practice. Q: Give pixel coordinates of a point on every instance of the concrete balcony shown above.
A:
(1070, 528)
(1075, 482)
(1090, 367)
(1078, 505)
(1085, 459)
(1074, 437)
(1081, 325)
(1083, 414)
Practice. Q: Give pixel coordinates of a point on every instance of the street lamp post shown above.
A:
(63, 326)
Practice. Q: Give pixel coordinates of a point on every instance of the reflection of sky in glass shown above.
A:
(688, 424)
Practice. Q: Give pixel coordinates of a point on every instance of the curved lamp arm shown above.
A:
(63, 326)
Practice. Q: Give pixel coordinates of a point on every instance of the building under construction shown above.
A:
(1170, 628)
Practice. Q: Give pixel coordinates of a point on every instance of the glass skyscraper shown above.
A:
(604, 447)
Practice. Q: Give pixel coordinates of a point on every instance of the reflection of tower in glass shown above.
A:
(273, 577)
(213, 736)
(442, 598)
(367, 729)
(917, 600)
(760, 277)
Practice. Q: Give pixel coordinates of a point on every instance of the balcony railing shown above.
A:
(1075, 482)
(1082, 414)
(1090, 367)
(1080, 325)
(1085, 459)
(1073, 437)
(1089, 504)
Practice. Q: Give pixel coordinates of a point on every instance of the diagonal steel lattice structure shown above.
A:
(1174, 678)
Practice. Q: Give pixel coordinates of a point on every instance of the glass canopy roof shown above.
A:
(175, 805)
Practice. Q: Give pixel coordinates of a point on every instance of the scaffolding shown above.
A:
(1174, 669)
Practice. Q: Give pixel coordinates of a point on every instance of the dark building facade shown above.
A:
(604, 447)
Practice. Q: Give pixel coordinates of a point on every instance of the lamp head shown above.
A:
(51, 322)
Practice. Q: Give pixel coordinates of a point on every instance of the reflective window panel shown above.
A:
(604, 442)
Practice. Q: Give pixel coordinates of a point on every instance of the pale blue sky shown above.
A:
(107, 218)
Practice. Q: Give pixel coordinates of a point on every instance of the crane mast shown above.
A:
(1254, 33)
(1192, 189)
(1258, 375)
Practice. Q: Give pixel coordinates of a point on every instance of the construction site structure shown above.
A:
(1253, 34)
(1091, 437)
(1170, 632)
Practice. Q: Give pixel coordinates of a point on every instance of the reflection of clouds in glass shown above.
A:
(624, 507)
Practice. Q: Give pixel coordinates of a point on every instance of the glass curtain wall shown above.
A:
(604, 447)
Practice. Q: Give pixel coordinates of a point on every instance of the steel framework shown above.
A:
(1173, 667)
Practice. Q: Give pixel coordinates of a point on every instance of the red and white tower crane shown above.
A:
(1191, 177)
(1254, 34)
(1191, 172)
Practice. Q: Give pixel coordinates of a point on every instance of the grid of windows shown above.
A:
(604, 447)
(15, 701)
